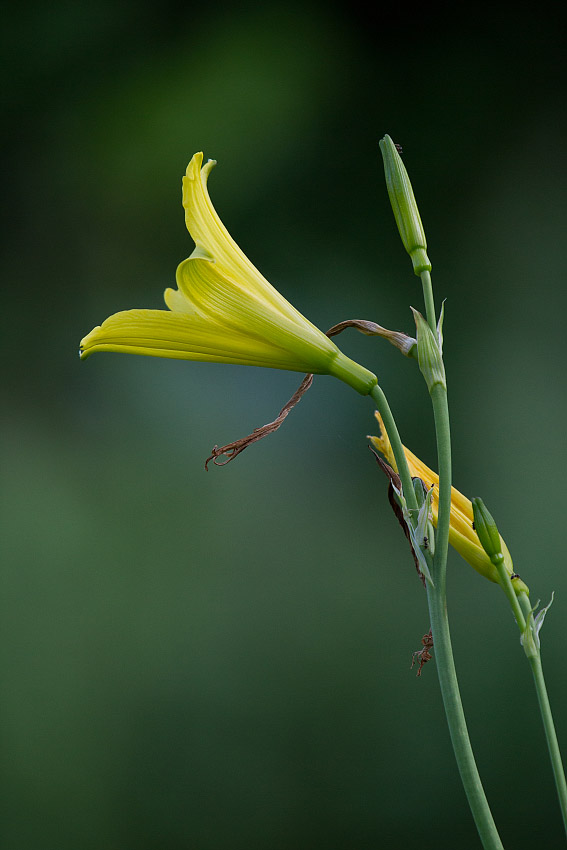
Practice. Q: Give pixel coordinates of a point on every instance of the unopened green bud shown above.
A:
(428, 353)
(420, 491)
(404, 206)
(487, 532)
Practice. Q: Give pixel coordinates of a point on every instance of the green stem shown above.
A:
(550, 734)
(437, 597)
(457, 723)
(429, 301)
(534, 657)
(443, 437)
(438, 614)
(512, 596)
(442, 639)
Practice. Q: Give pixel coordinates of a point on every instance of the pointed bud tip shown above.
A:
(404, 206)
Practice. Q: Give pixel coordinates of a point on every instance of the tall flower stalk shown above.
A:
(429, 346)
(488, 552)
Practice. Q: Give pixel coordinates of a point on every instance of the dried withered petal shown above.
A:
(232, 450)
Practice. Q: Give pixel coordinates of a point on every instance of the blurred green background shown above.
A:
(221, 660)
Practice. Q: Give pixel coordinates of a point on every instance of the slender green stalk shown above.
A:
(437, 598)
(534, 657)
(428, 298)
(512, 596)
(443, 437)
(439, 622)
(521, 606)
(550, 734)
(442, 639)
(456, 721)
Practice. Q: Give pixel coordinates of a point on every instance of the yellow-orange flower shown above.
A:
(224, 310)
(462, 535)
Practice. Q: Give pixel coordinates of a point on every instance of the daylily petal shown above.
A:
(178, 303)
(208, 231)
(183, 336)
(216, 295)
(462, 535)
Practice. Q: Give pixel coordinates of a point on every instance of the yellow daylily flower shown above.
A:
(462, 535)
(223, 309)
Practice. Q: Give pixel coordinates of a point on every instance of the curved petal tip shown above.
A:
(194, 166)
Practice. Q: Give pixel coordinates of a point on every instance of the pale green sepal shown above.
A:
(440, 326)
(530, 638)
(404, 206)
(540, 616)
(428, 353)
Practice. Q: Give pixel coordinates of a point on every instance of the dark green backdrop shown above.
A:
(197, 661)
